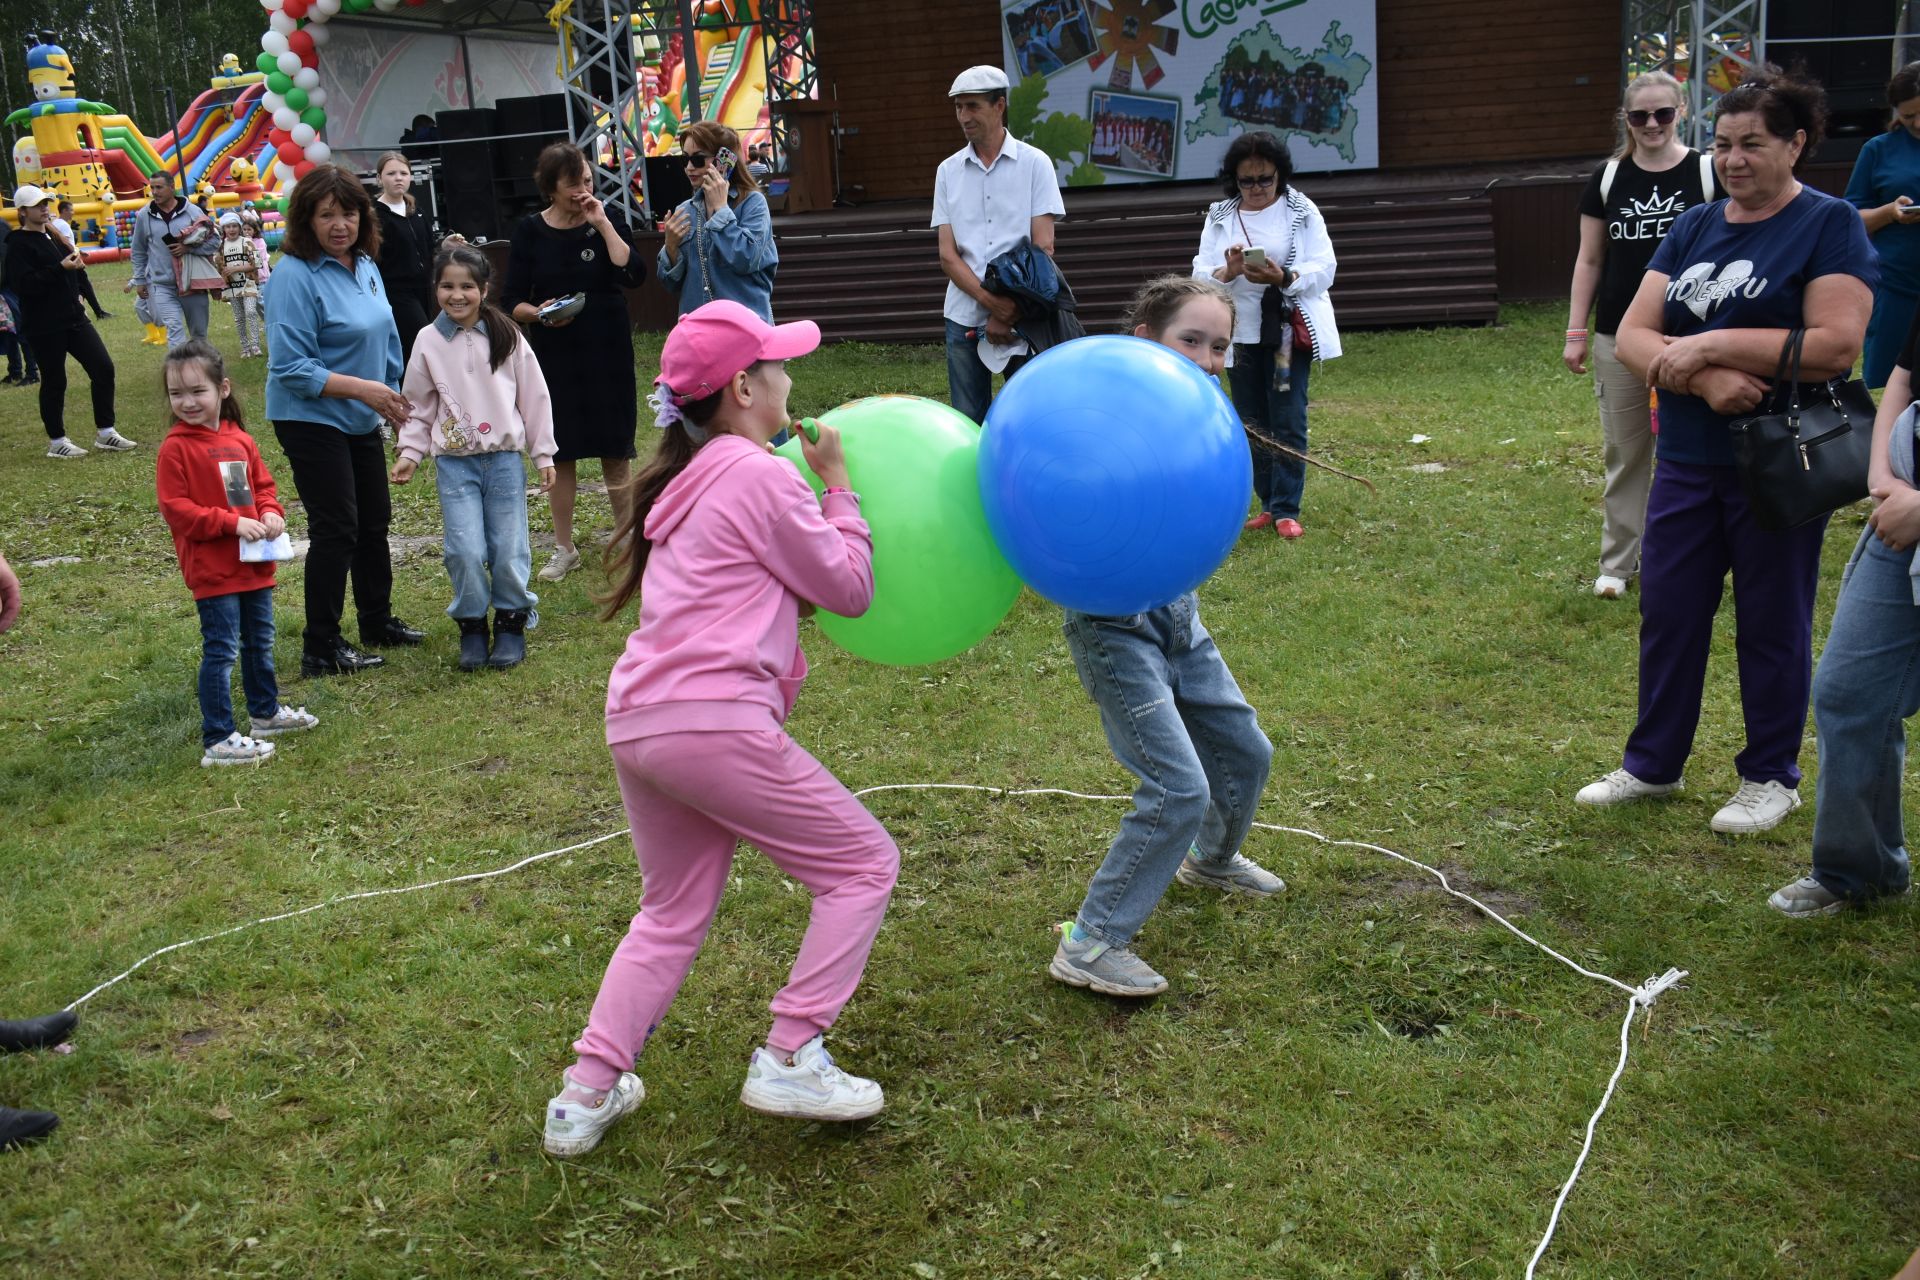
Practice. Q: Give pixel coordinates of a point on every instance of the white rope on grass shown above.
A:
(1638, 998)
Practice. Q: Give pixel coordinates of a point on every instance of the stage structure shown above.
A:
(1708, 45)
(603, 97)
(793, 75)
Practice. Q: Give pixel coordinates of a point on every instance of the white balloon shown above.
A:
(285, 118)
(272, 102)
(272, 6)
(274, 42)
(307, 78)
(321, 10)
(316, 97)
(319, 33)
(289, 62)
(319, 152)
(386, 6)
(285, 25)
(303, 135)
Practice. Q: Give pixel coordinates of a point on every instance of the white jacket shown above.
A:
(1308, 251)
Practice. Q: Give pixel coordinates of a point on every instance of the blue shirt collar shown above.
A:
(444, 325)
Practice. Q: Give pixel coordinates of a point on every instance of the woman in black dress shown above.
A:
(406, 249)
(575, 246)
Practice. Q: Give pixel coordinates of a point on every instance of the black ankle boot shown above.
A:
(36, 1033)
(338, 659)
(509, 638)
(20, 1127)
(391, 632)
(473, 643)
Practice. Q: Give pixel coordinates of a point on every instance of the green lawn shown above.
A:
(1361, 1078)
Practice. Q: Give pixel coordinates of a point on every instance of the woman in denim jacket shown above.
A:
(720, 241)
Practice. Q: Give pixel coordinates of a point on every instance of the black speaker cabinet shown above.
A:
(467, 173)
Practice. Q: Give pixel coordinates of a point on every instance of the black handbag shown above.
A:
(1809, 460)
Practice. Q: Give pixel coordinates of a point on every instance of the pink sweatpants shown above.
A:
(690, 798)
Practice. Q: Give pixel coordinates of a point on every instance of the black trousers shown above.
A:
(342, 482)
(409, 317)
(93, 299)
(51, 349)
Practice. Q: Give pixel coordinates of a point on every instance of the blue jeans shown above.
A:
(1280, 415)
(1176, 721)
(483, 502)
(235, 626)
(1868, 684)
(970, 383)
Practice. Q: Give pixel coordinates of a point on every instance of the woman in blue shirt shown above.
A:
(1720, 296)
(1884, 187)
(719, 242)
(333, 372)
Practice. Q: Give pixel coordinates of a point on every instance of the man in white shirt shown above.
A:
(988, 198)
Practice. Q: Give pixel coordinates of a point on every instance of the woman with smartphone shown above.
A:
(1884, 187)
(719, 241)
(1268, 244)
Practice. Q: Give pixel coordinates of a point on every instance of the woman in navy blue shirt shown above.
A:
(1884, 187)
(1706, 328)
(333, 372)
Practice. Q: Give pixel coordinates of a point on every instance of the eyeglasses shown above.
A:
(1664, 115)
(695, 160)
(1260, 183)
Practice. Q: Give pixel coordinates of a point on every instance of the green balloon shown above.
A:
(279, 81)
(267, 62)
(315, 116)
(940, 583)
(297, 98)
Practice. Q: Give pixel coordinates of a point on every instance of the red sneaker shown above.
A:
(1288, 529)
(1262, 521)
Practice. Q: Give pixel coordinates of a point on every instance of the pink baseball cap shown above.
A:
(715, 341)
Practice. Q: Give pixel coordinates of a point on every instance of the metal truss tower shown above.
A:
(792, 73)
(603, 101)
(1709, 45)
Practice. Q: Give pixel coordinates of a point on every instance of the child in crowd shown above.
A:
(479, 401)
(215, 493)
(241, 270)
(256, 233)
(1174, 718)
(726, 546)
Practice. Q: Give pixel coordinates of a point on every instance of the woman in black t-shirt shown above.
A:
(1624, 214)
(406, 250)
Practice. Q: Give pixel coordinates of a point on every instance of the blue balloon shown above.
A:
(1114, 473)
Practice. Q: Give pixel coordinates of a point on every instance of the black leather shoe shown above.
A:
(20, 1127)
(338, 659)
(394, 632)
(37, 1033)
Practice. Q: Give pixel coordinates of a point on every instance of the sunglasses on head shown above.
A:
(1256, 184)
(695, 160)
(1663, 115)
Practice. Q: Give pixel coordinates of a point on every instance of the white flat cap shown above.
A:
(981, 79)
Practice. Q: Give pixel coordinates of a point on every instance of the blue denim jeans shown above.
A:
(235, 626)
(1277, 413)
(970, 383)
(1867, 686)
(483, 502)
(1176, 721)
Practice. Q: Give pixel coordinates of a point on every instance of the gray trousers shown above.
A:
(1626, 425)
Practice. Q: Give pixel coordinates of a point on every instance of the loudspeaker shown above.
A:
(667, 184)
(544, 117)
(467, 172)
(1846, 45)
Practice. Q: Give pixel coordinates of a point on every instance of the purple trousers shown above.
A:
(1698, 527)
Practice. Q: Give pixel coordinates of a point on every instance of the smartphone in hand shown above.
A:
(724, 160)
(1254, 256)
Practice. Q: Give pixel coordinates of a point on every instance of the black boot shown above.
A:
(473, 643)
(37, 1033)
(391, 632)
(20, 1127)
(509, 638)
(337, 659)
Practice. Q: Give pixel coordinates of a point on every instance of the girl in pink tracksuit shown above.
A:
(729, 548)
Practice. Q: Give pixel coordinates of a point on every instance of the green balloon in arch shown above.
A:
(940, 583)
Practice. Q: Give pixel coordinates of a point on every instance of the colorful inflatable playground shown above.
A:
(731, 49)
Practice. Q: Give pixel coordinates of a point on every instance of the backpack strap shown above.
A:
(1607, 176)
(1706, 178)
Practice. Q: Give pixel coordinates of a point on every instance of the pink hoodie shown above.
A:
(739, 540)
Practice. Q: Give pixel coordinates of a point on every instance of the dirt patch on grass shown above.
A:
(191, 1040)
(1425, 891)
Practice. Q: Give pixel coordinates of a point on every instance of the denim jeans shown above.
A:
(182, 316)
(1176, 721)
(483, 502)
(1868, 684)
(235, 626)
(1280, 415)
(970, 383)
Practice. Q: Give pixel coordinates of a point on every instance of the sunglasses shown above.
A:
(1665, 115)
(695, 160)
(1256, 184)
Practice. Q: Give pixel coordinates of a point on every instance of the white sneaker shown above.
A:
(574, 1128)
(1608, 587)
(236, 748)
(1756, 806)
(112, 440)
(64, 448)
(811, 1089)
(1621, 786)
(565, 561)
(285, 720)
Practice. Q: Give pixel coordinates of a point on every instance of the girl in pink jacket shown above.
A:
(727, 547)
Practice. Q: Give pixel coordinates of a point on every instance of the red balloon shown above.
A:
(278, 138)
(302, 169)
(301, 42)
(295, 9)
(291, 152)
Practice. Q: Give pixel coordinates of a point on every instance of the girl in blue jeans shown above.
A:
(1174, 718)
(479, 400)
(1868, 683)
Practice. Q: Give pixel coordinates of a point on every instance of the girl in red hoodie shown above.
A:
(726, 547)
(215, 493)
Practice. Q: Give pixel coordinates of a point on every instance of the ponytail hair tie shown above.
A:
(666, 412)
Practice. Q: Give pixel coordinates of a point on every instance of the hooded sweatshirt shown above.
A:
(207, 479)
(738, 542)
(463, 406)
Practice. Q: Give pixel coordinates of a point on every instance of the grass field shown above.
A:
(1358, 1079)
